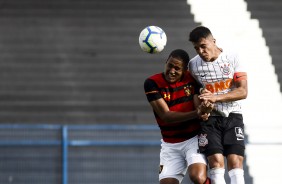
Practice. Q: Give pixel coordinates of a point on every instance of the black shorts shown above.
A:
(223, 135)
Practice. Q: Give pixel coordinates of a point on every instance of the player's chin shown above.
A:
(171, 79)
(205, 58)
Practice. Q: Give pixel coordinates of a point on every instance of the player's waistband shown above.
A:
(232, 114)
(176, 139)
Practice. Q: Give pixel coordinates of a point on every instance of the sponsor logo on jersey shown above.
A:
(219, 86)
(240, 76)
(237, 77)
(239, 133)
(203, 75)
(203, 141)
(166, 96)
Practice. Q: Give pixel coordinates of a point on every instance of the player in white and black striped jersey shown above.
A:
(224, 82)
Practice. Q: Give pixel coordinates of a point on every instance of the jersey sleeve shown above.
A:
(151, 90)
(240, 72)
(238, 65)
(196, 84)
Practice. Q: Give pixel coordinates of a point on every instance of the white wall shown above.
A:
(232, 27)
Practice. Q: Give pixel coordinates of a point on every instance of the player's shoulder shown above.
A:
(195, 59)
(188, 74)
(157, 76)
(230, 54)
(188, 77)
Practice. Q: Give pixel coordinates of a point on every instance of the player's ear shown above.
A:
(185, 66)
(185, 69)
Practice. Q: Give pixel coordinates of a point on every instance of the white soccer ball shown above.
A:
(152, 39)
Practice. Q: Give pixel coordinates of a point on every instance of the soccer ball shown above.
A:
(152, 39)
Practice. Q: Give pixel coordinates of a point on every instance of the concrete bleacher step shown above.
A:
(269, 15)
(256, 155)
(266, 140)
(80, 60)
(77, 117)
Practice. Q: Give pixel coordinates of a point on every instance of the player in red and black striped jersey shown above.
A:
(172, 95)
(178, 97)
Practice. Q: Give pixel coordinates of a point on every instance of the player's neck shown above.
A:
(217, 52)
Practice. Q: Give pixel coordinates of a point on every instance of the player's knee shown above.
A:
(198, 179)
(169, 180)
(233, 165)
(216, 161)
(234, 161)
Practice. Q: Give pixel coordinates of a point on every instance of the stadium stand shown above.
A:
(79, 61)
(269, 15)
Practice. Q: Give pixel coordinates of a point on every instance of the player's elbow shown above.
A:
(167, 119)
(244, 94)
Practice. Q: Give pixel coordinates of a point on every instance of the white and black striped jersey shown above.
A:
(218, 77)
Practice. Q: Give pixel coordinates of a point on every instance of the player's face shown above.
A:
(207, 49)
(174, 70)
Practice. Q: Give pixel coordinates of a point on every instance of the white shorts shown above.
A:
(176, 157)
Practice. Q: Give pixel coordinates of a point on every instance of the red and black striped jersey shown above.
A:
(179, 97)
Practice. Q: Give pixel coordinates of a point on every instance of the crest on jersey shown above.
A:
(203, 141)
(189, 90)
(225, 69)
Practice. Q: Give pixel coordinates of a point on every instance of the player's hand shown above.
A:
(206, 107)
(205, 116)
(207, 96)
(202, 115)
(205, 91)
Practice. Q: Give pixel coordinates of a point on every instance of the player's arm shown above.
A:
(203, 110)
(239, 93)
(161, 108)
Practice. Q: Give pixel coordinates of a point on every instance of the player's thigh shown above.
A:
(192, 152)
(172, 162)
(234, 136)
(196, 161)
(210, 138)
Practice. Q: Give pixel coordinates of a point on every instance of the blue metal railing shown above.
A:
(65, 142)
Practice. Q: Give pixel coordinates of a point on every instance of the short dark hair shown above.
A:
(182, 54)
(198, 33)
